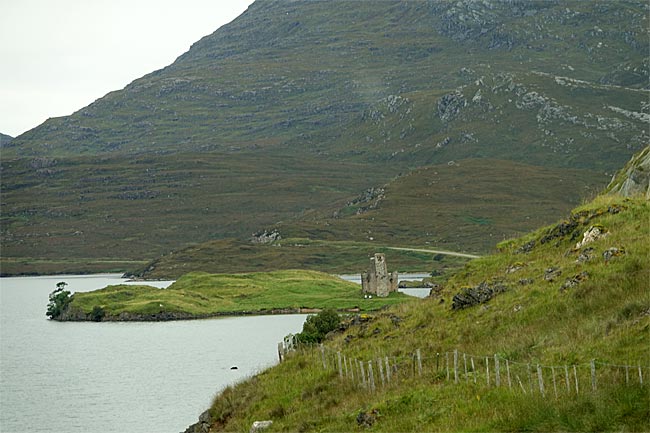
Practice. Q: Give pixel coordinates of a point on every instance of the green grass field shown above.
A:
(203, 295)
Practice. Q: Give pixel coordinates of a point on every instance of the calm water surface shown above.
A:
(119, 377)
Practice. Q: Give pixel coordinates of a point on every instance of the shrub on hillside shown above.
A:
(316, 327)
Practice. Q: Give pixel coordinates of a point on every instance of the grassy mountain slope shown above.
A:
(283, 71)
(466, 206)
(384, 86)
(108, 208)
(553, 304)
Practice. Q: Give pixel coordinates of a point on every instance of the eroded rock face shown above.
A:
(450, 105)
(266, 237)
(634, 179)
(591, 235)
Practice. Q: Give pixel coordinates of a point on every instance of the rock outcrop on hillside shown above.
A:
(634, 179)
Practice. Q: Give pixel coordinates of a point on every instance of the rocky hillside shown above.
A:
(5, 140)
(293, 74)
(298, 106)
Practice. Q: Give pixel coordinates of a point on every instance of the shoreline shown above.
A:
(174, 316)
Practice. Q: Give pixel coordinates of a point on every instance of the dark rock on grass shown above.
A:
(574, 281)
(476, 295)
(613, 252)
(527, 247)
(367, 419)
(561, 230)
(585, 255)
(552, 273)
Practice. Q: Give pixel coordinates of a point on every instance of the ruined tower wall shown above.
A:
(381, 271)
(377, 281)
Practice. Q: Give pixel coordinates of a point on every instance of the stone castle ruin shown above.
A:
(377, 281)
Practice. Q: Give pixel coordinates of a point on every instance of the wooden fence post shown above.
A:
(381, 371)
(593, 374)
(554, 384)
(340, 364)
(497, 375)
(575, 375)
(345, 364)
(322, 352)
(530, 378)
(388, 372)
(487, 370)
(640, 375)
(352, 370)
(508, 371)
(540, 379)
(437, 362)
(455, 365)
(473, 369)
(520, 384)
(566, 379)
(280, 350)
(447, 363)
(465, 364)
(371, 377)
(363, 374)
(627, 374)
(419, 358)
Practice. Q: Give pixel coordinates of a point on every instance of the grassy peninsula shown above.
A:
(552, 304)
(198, 294)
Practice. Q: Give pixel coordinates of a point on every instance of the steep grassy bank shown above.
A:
(197, 295)
(551, 304)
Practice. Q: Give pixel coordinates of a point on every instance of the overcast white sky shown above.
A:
(57, 56)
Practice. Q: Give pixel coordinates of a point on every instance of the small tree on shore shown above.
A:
(316, 327)
(59, 300)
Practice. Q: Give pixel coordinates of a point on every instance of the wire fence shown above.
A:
(457, 367)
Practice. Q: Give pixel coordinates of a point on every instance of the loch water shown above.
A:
(119, 377)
